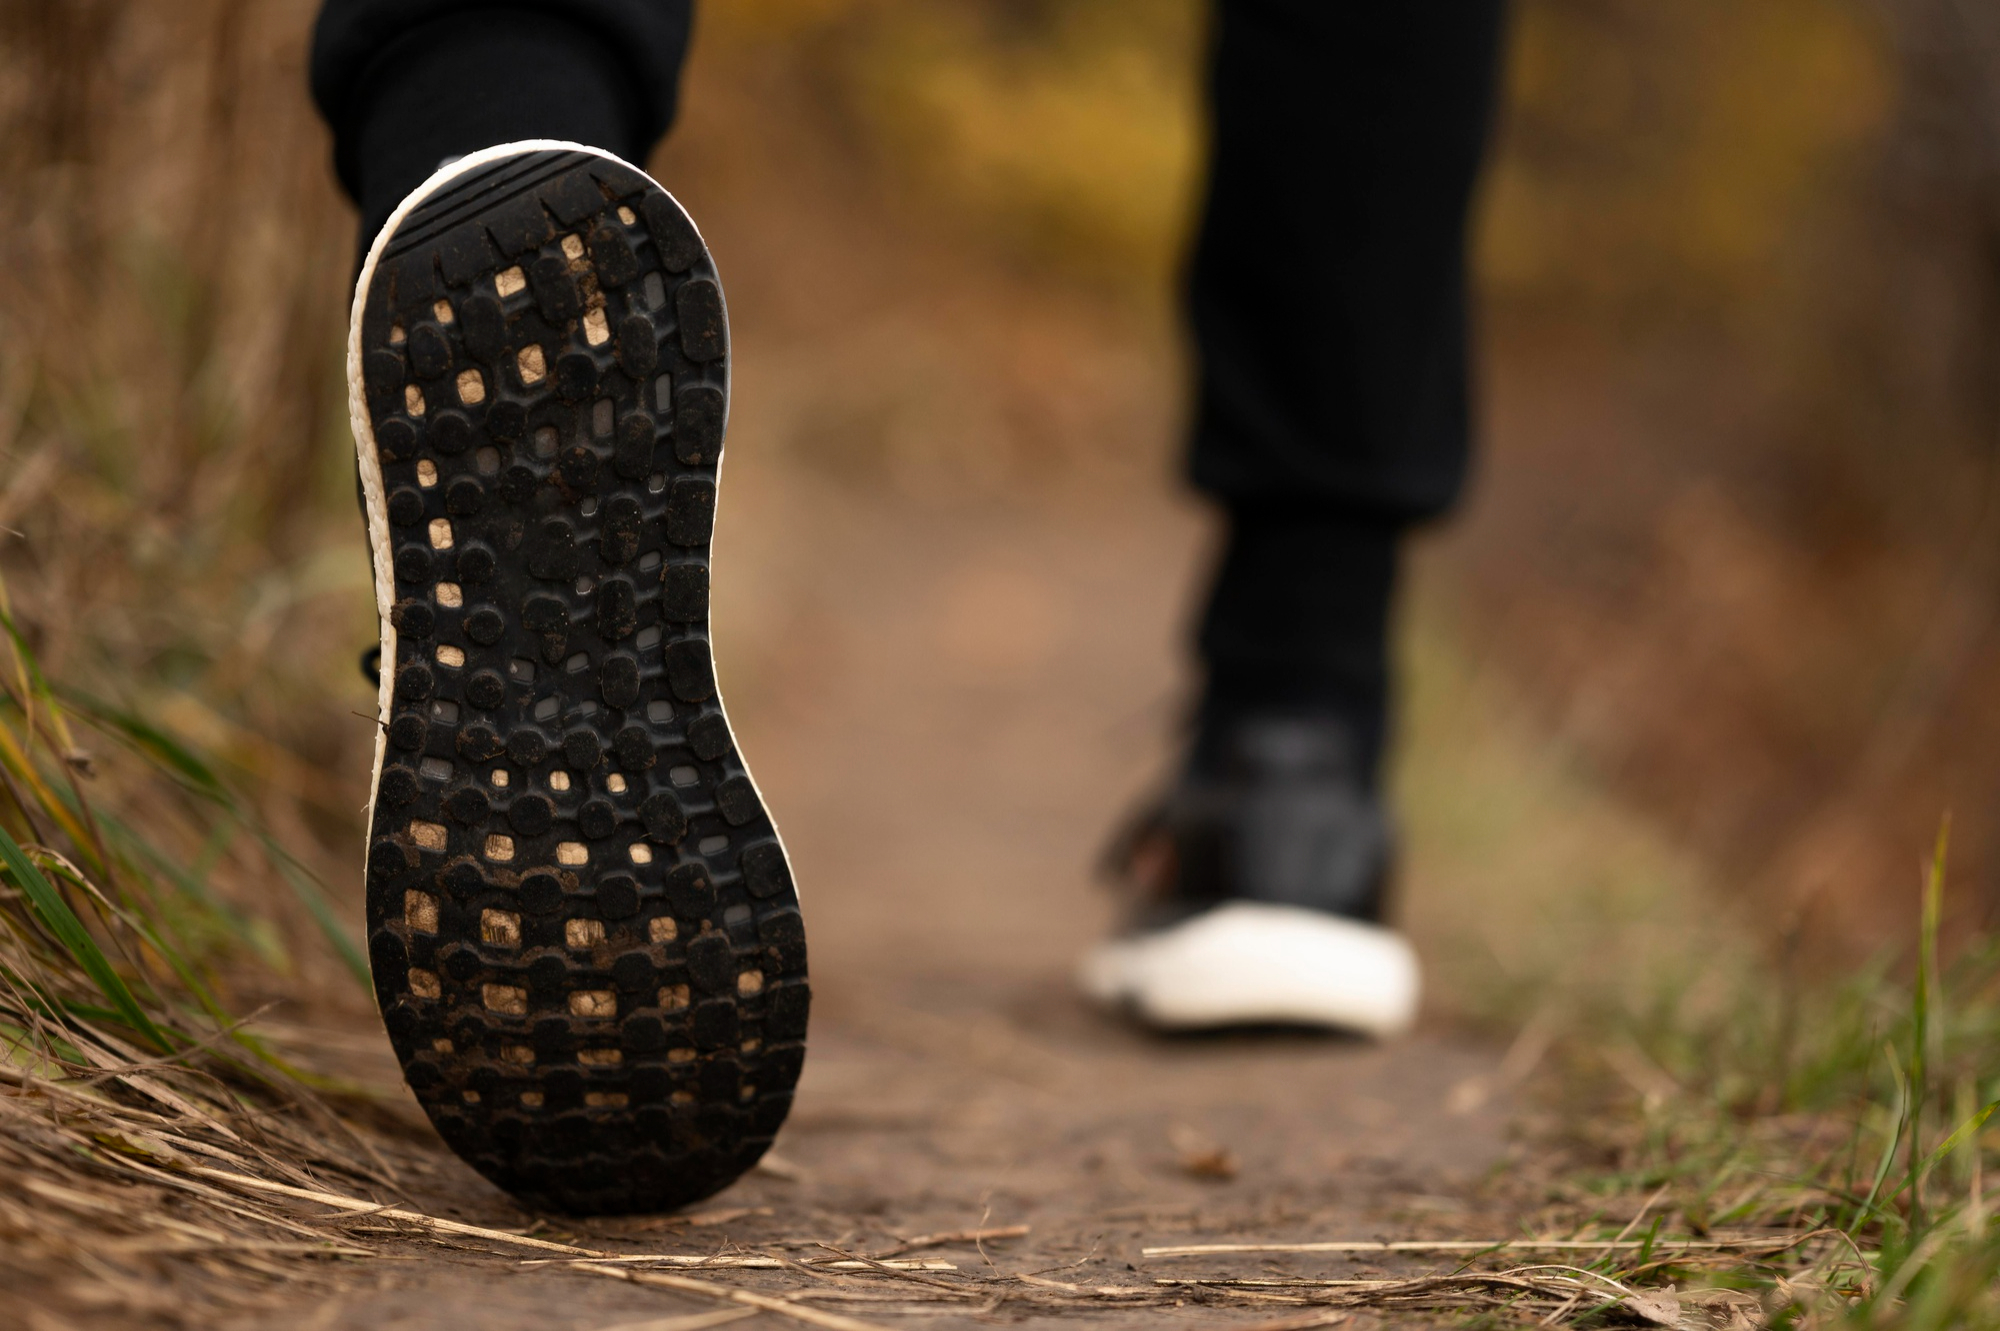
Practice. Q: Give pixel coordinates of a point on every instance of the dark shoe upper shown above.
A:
(1271, 807)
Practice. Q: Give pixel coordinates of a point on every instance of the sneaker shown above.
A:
(584, 934)
(1260, 877)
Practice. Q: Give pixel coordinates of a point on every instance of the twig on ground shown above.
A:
(756, 1263)
(692, 1322)
(900, 1271)
(1301, 1321)
(416, 1218)
(687, 1285)
(1479, 1245)
(1640, 1215)
(974, 1236)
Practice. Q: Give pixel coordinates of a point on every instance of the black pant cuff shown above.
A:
(470, 80)
(1298, 619)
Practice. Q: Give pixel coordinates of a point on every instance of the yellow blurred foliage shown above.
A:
(1067, 132)
(1655, 157)
(1665, 156)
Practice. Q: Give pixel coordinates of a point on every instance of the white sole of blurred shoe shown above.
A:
(1251, 963)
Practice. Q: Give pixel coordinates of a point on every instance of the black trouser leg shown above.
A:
(1327, 295)
(405, 84)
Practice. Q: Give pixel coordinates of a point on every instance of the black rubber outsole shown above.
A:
(585, 939)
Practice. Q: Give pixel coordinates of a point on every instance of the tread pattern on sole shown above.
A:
(584, 934)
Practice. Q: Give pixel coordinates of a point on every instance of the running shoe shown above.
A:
(1259, 888)
(584, 933)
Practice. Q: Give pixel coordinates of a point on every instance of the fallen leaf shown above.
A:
(1659, 1307)
(727, 1214)
(1201, 1157)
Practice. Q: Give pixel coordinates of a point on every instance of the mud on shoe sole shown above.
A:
(583, 929)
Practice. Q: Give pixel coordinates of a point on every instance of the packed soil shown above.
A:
(997, 1106)
(943, 794)
(990, 1100)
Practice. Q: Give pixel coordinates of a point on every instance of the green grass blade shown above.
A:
(154, 742)
(309, 891)
(61, 921)
(1924, 1015)
(202, 780)
(1956, 1139)
(1900, 1118)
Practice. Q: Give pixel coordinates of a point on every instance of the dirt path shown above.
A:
(917, 1121)
(926, 1121)
(943, 795)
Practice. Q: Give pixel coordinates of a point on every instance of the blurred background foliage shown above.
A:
(1736, 535)
(1734, 541)
(1067, 135)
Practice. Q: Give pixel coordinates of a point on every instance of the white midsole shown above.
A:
(1247, 962)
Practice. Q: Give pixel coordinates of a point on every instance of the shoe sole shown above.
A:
(583, 929)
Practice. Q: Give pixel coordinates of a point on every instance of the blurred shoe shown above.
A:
(585, 939)
(1260, 880)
